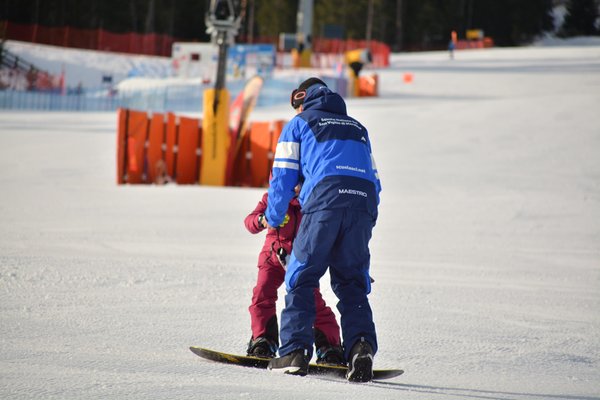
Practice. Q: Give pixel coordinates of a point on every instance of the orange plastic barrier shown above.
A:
(260, 147)
(241, 166)
(122, 115)
(277, 128)
(188, 154)
(162, 148)
(155, 153)
(171, 143)
(253, 165)
(368, 86)
(134, 146)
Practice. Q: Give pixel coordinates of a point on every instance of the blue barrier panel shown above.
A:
(19, 100)
(174, 98)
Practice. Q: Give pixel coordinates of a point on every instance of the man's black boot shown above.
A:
(360, 362)
(294, 363)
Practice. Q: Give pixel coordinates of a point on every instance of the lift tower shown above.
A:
(222, 24)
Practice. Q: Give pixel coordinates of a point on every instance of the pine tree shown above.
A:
(580, 19)
(275, 17)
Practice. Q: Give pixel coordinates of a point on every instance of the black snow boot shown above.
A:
(262, 347)
(360, 363)
(326, 353)
(331, 355)
(294, 363)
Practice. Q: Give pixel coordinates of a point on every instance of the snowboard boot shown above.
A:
(294, 363)
(262, 347)
(360, 364)
(331, 355)
(328, 354)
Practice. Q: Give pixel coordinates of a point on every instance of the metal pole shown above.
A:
(251, 23)
(222, 25)
(369, 22)
(304, 20)
(398, 25)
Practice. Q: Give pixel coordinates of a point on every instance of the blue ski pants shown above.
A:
(337, 239)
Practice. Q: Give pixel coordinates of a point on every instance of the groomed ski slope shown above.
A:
(486, 254)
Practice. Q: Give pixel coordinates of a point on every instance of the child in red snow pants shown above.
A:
(271, 273)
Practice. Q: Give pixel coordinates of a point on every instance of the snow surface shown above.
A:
(486, 255)
(88, 67)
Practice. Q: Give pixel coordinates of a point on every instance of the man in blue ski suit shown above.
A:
(330, 153)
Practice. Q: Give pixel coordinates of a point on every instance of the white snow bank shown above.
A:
(87, 66)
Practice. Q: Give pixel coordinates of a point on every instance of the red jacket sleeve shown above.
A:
(251, 221)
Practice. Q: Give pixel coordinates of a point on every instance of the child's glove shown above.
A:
(263, 222)
(286, 219)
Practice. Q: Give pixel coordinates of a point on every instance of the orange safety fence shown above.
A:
(137, 135)
(122, 116)
(160, 44)
(260, 139)
(252, 166)
(188, 157)
(171, 143)
(241, 164)
(155, 152)
(96, 39)
(161, 148)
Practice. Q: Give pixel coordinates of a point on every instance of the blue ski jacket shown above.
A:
(330, 154)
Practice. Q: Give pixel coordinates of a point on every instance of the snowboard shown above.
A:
(313, 369)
